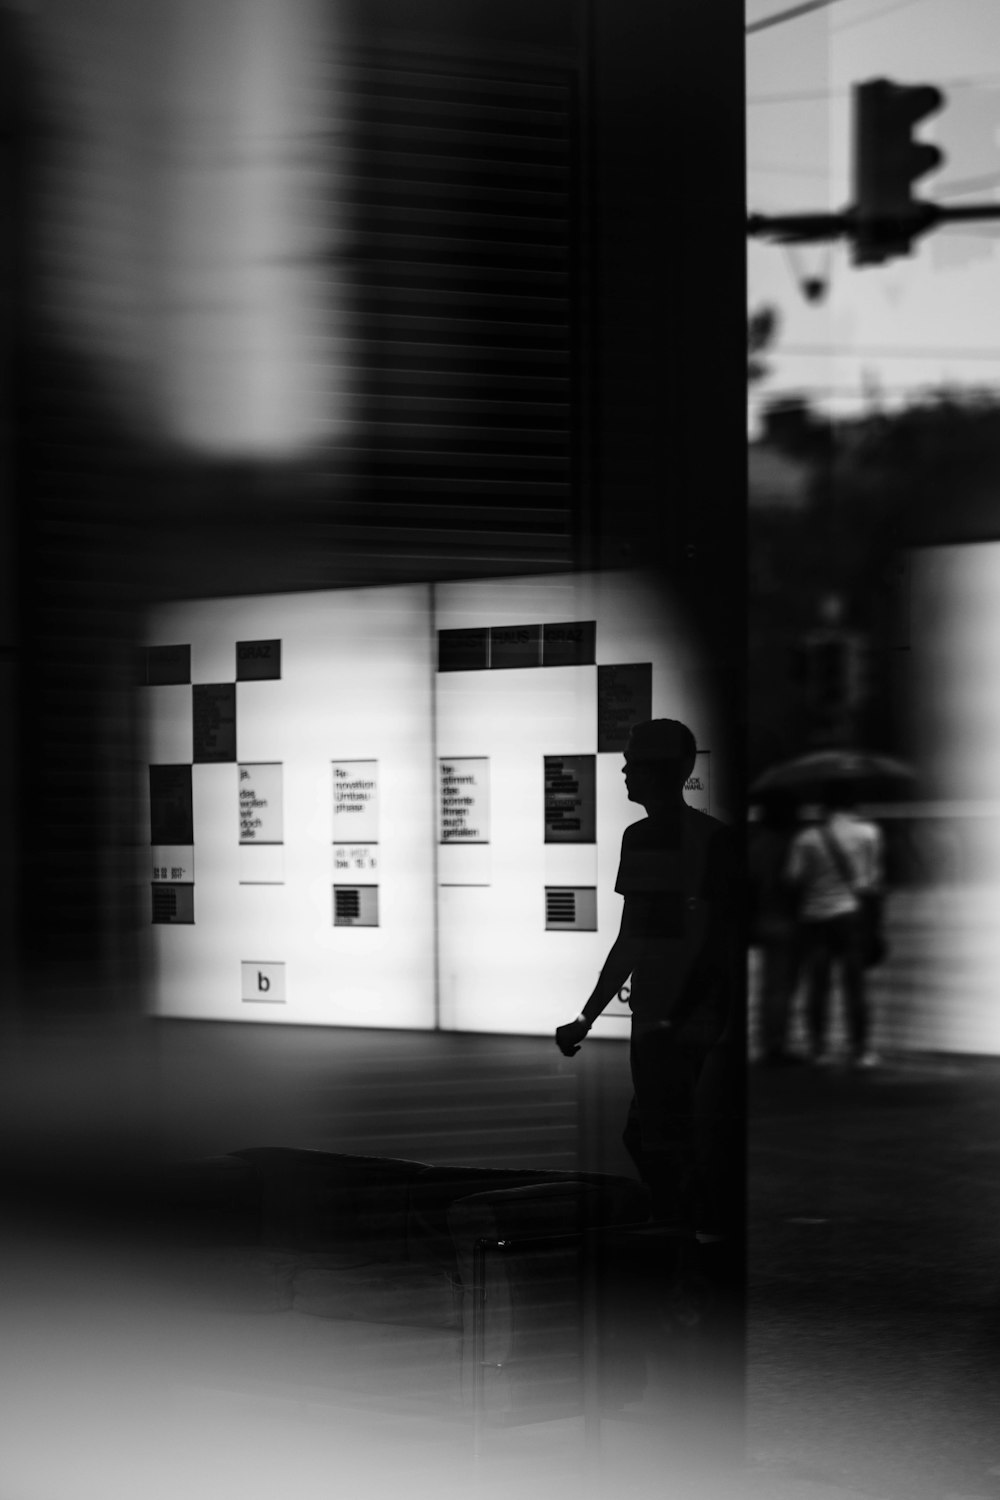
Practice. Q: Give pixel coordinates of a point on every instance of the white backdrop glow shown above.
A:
(454, 933)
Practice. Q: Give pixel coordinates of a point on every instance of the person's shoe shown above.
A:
(824, 1059)
(868, 1059)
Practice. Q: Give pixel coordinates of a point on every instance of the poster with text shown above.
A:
(355, 802)
(465, 801)
(261, 819)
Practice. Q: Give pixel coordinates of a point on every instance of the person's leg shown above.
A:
(721, 1136)
(855, 996)
(778, 969)
(816, 963)
(772, 1026)
(632, 1136)
(665, 1076)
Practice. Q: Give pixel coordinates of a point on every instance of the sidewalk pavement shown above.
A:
(874, 1320)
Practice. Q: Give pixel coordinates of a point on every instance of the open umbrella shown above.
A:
(864, 770)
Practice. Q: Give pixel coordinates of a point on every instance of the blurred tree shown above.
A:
(877, 486)
(762, 330)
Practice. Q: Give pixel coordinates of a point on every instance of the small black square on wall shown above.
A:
(214, 721)
(463, 650)
(167, 665)
(258, 661)
(347, 903)
(572, 644)
(171, 816)
(515, 646)
(173, 904)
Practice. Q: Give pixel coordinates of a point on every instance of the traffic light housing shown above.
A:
(887, 162)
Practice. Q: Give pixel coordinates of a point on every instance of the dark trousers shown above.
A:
(836, 940)
(670, 1135)
(780, 963)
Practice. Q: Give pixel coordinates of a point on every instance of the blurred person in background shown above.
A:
(835, 866)
(773, 927)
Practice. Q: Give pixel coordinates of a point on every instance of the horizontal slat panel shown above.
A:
(459, 80)
(440, 355)
(388, 187)
(484, 410)
(353, 373)
(373, 161)
(502, 334)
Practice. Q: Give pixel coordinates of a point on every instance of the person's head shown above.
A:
(839, 796)
(659, 758)
(778, 810)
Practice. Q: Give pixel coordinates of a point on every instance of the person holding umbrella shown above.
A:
(834, 867)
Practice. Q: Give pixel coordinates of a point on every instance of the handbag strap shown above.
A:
(840, 859)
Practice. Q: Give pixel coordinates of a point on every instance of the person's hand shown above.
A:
(569, 1037)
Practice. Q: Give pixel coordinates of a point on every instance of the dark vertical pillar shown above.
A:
(666, 136)
(668, 405)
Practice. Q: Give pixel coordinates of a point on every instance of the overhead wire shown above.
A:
(887, 351)
(805, 96)
(788, 15)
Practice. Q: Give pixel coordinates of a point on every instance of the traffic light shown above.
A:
(887, 162)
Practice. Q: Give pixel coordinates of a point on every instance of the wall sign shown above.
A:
(464, 650)
(570, 909)
(355, 859)
(173, 863)
(171, 816)
(568, 643)
(515, 646)
(624, 698)
(263, 983)
(214, 721)
(355, 906)
(571, 644)
(261, 811)
(258, 661)
(570, 800)
(698, 787)
(465, 801)
(167, 665)
(173, 904)
(355, 802)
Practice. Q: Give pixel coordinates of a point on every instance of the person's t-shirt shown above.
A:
(821, 877)
(676, 872)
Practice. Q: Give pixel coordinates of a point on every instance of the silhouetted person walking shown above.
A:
(677, 875)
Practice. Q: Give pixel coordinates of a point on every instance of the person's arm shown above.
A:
(795, 865)
(617, 967)
(878, 861)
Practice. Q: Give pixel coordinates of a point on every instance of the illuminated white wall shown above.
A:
(500, 970)
(955, 628)
(355, 685)
(461, 937)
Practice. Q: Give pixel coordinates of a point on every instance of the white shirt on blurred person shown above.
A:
(817, 871)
